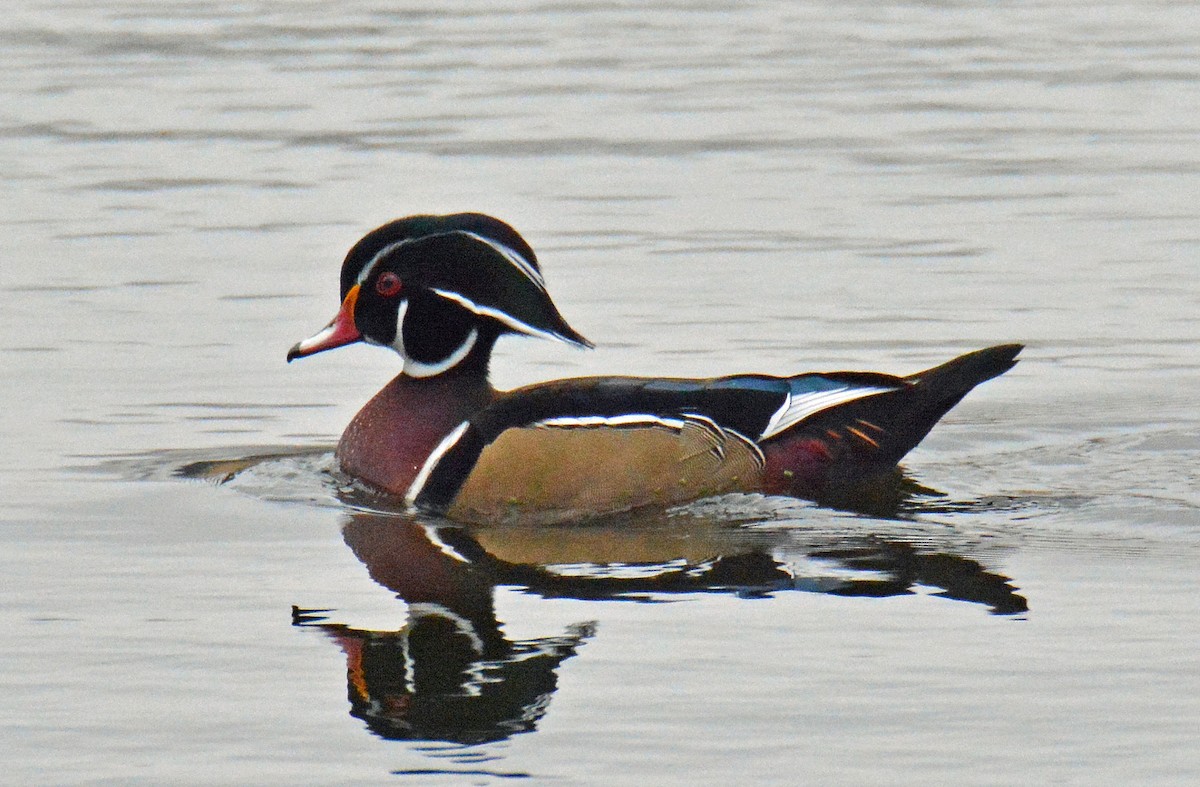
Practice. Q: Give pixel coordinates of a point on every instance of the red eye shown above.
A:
(388, 284)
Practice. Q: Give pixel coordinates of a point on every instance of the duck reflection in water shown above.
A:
(452, 675)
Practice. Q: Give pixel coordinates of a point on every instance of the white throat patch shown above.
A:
(415, 368)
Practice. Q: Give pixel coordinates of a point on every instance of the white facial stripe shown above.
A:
(365, 273)
(504, 317)
(513, 257)
(796, 408)
(398, 342)
(414, 489)
(518, 261)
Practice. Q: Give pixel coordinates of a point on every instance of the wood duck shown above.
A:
(440, 290)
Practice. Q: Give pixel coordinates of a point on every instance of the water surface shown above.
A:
(194, 595)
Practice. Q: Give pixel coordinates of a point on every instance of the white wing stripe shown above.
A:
(715, 430)
(629, 419)
(797, 408)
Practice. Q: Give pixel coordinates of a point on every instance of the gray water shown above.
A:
(712, 188)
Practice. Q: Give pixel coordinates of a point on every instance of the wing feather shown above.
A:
(554, 471)
(800, 406)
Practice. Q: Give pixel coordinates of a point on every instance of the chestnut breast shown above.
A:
(391, 436)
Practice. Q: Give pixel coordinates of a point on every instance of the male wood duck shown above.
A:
(440, 290)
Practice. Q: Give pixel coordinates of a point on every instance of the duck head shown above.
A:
(439, 290)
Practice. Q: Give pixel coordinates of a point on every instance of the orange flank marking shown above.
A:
(870, 425)
(833, 434)
(817, 449)
(859, 434)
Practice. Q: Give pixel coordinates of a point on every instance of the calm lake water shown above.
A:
(711, 187)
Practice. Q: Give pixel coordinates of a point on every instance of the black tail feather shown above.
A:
(872, 434)
(954, 379)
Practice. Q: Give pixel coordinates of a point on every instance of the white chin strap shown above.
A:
(414, 368)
